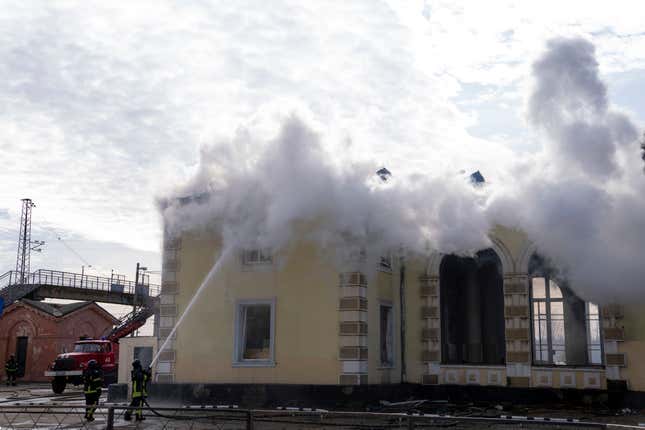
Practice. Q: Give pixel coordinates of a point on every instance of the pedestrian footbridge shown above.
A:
(56, 284)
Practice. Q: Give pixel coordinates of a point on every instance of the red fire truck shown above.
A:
(68, 367)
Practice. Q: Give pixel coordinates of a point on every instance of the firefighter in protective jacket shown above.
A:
(11, 368)
(93, 382)
(139, 377)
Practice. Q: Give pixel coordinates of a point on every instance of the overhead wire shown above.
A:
(61, 240)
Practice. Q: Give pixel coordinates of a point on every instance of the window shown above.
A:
(548, 322)
(254, 337)
(144, 355)
(87, 347)
(257, 256)
(386, 335)
(594, 346)
(385, 263)
(472, 309)
(566, 330)
(356, 254)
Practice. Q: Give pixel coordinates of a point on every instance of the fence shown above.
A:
(112, 416)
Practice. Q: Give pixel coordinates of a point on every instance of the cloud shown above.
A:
(104, 106)
(579, 199)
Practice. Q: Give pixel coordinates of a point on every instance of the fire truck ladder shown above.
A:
(131, 322)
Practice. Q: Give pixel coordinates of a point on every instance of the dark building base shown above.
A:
(369, 397)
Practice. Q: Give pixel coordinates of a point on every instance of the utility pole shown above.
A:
(25, 244)
(24, 241)
(140, 269)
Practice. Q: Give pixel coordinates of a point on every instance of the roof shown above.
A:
(60, 310)
(477, 178)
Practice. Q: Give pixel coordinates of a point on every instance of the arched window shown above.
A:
(566, 330)
(472, 309)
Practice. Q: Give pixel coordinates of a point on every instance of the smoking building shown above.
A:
(499, 318)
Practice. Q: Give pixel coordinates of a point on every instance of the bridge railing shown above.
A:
(59, 278)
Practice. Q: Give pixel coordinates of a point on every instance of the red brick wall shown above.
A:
(48, 336)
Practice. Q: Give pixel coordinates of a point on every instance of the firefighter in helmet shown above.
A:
(139, 378)
(93, 382)
(11, 367)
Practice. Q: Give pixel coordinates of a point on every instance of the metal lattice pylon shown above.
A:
(24, 241)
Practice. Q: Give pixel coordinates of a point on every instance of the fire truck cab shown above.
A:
(68, 367)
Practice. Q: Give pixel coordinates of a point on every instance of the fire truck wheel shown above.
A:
(58, 384)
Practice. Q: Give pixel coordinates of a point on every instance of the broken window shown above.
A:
(385, 263)
(255, 332)
(257, 256)
(472, 309)
(386, 336)
(566, 330)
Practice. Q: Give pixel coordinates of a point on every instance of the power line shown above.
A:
(60, 239)
(87, 263)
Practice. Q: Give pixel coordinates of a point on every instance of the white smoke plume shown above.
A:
(260, 194)
(580, 200)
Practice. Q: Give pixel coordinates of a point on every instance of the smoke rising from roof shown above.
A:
(579, 200)
(259, 194)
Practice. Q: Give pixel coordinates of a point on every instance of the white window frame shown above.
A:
(546, 300)
(265, 257)
(593, 347)
(238, 345)
(392, 345)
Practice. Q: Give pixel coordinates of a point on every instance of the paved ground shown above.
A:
(36, 406)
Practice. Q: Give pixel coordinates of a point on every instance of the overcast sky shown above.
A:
(105, 105)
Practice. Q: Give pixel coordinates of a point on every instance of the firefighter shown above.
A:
(11, 367)
(139, 379)
(93, 382)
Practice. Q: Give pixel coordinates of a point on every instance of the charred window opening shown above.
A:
(386, 340)
(385, 263)
(254, 327)
(257, 256)
(472, 309)
(566, 329)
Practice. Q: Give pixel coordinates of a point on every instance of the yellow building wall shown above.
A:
(383, 288)
(634, 346)
(414, 268)
(305, 289)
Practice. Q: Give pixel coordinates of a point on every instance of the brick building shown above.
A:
(37, 331)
